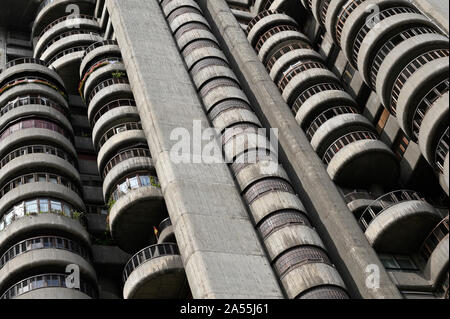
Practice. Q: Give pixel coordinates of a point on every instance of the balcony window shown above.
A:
(32, 206)
(391, 262)
(134, 183)
(43, 205)
(56, 206)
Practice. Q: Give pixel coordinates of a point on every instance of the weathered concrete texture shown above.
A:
(437, 10)
(54, 293)
(217, 262)
(343, 238)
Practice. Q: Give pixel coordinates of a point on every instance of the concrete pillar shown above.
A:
(221, 252)
(346, 242)
(2, 47)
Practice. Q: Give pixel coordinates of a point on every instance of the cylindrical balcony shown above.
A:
(136, 205)
(398, 222)
(156, 272)
(50, 286)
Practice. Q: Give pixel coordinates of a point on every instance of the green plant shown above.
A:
(111, 203)
(118, 74)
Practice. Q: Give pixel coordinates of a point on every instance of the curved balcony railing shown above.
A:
(281, 219)
(343, 16)
(384, 202)
(389, 12)
(131, 183)
(37, 149)
(119, 129)
(43, 5)
(124, 155)
(99, 44)
(442, 150)
(272, 32)
(259, 17)
(285, 49)
(22, 61)
(425, 105)
(36, 178)
(299, 256)
(296, 69)
(66, 52)
(68, 34)
(47, 281)
(149, 253)
(324, 4)
(62, 19)
(165, 224)
(305, 95)
(106, 83)
(44, 242)
(409, 70)
(265, 186)
(31, 80)
(327, 115)
(34, 123)
(40, 206)
(434, 238)
(32, 99)
(95, 65)
(357, 195)
(109, 106)
(390, 45)
(346, 140)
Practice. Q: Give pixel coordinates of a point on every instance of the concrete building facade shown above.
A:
(350, 201)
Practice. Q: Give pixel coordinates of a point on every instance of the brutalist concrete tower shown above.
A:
(239, 149)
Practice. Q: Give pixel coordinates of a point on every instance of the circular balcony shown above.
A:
(403, 61)
(31, 130)
(39, 184)
(33, 104)
(398, 222)
(51, 10)
(433, 135)
(62, 25)
(49, 286)
(359, 160)
(289, 55)
(269, 196)
(333, 124)
(258, 170)
(32, 85)
(172, 8)
(46, 252)
(320, 102)
(265, 21)
(117, 138)
(304, 268)
(358, 23)
(28, 66)
(156, 272)
(357, 201)
(37, 214)
(99, 72)
(97, 52)
(434, 239)
(232, 112)
(111, 106)
(136, 205)
(107, 91)
(271, 40)
(331, 16)
(166, 233)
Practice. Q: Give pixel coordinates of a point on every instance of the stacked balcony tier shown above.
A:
(41, 206)
(345, 140)
(294, 248)
(60, 39)
(404, 57)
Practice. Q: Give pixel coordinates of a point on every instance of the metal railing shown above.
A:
(327, 115)
(68, 17)
(132, 182)
(32, 99)
(109, 106)
(105, 84)
(129, 126)
(124, 155)
(18, 61)
(434, 238)
(384, 202)
(44, 242)
(64, 53)
(165, 224)
(99, 44)
(46, 281)
(149, 253)
(442, 150)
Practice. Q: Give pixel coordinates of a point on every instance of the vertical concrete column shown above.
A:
(221, 252)
(350, 250)
(2, 47)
